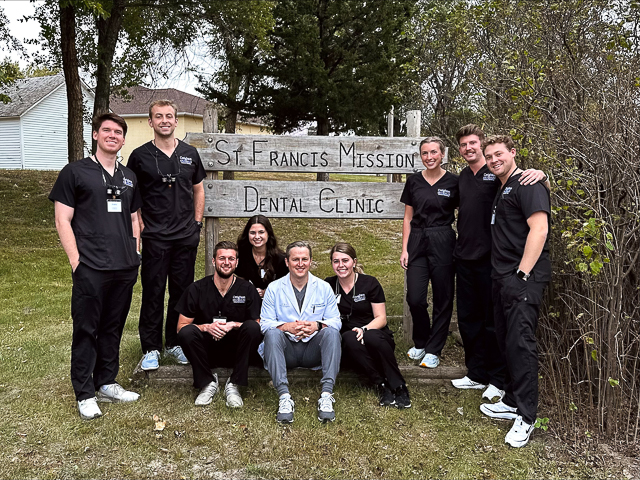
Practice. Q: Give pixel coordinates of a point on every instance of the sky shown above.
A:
(16, 9)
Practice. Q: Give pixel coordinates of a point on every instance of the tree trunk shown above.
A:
(323, 129)
(75, 141)
(230, 127)
(108, 32)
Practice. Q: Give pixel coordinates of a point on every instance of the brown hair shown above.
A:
(347, 249)
(471, 129)
(433, 140)
(224, 245)
(494, 139)
(163, 103)
(105, 117)
(299, 244)
(273, 251)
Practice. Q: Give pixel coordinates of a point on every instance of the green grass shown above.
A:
(41, 434)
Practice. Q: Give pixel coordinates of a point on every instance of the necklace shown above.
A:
(224, 292)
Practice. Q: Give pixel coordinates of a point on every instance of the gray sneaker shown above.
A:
(114, 393)
(177, 354)
(89, 409)
(326, 413)
(208, 392)
(232, 392)
(286, 407)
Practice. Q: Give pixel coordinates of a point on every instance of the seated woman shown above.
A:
(367, 342)
(260, 261)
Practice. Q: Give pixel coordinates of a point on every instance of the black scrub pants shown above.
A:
(375, 358)
(485, 364)
(100, 301)
(176, 260)
(236, 349)
(517, 305)
(431, 259)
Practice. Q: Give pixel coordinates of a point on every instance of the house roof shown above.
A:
(27, 92)
(141, 97)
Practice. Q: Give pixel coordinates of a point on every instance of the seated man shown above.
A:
(219, 326)
(301, 325)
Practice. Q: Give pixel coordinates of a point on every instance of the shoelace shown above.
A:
(326, 403)
(285, 405)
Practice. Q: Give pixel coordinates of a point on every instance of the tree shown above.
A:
(9, 70)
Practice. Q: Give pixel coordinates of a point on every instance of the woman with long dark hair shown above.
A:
(260, 259)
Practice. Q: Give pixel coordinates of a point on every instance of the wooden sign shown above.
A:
(307, 154)
(303, 199)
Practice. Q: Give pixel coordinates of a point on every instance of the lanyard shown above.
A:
(168, 178)
(112, 190)
(498, 196)
(353, 292)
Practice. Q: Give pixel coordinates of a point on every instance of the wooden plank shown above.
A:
(348, 200)
(307, 154)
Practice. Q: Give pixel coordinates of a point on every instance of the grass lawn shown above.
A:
(41, 435)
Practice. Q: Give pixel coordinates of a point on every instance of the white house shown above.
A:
(33, 126)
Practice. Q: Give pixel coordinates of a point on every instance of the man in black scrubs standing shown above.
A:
(170, 174)
(521, 270)
(478, 187)
(219, 326)
(96, 200)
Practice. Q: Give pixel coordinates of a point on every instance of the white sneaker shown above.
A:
(231, 391)
(208, 392)
(415, 353)
(519, 434)
(89, 409)
(492, 392)
(499, 410)
(326, 413)
(286, 407)
(466, 382)
(114, 393)
(430, 361)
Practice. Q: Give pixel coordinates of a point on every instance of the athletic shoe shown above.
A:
(325, 408)
(208, 392)
(519, 434)
(385, 395)
(402, 399)
(286, 407)
(231, 391)
(89, 409)
(430, 361)
(416, 353)
(177, 353)
(499, 410)
(150, 360)
(492, 392)
(466, 382)
(114, 393)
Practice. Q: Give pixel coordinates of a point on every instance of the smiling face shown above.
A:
(500, 160)
(109, 137)
(299, 262)
(431, 155)
(258, 235)
(225, 262)
(163, 120)
(342, 264)
(470, 149)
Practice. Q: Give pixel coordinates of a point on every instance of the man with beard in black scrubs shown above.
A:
(478, 187)
(170, 173)
(219, 326)
(96, 200)
(520, 218)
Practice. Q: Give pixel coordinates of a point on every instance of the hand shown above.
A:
(531, 176)
(307, 328)
(404, 259)
(260, 292)
(294, 328)
(74, 265)
(359, 334)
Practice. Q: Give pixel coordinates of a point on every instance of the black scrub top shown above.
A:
(202, 301)
(513, 205)
(433, 205)
(105, 239)
(252, 272)
(477, 193)
(355, 306)
(167, 211)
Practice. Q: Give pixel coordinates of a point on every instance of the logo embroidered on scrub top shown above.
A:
(488, 177)
(238, 299)
(361, 297)
(186, 160)
(443, 192)
(127, 182)
(507, 191)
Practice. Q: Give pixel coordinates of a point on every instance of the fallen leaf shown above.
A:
(164, 450)
(460, 410)
(160, 424)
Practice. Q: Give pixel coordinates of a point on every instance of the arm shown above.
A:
(268, 314)
(406, 231)
(531, 176)
(207, 327)
(198, 201)
(538, 230)
(136, 229)
(63, 217)
(379, 320)
(140, 222)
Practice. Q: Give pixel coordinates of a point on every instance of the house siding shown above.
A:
(10, 154)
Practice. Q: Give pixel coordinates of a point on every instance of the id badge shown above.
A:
(114, 205)
(338, 297)
(262, 273)
(493, 218)
(219, 319)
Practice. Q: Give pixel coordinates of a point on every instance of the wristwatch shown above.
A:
(199, 224)
(364, 329)
(319, 326)
(522, 275)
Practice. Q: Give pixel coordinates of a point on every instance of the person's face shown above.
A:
(225, 262)
(431, 155)
(258, 235)
(500, 159)
(163, 120)
(109, 137)
(470, 149)
(342, 264)
(299, 262)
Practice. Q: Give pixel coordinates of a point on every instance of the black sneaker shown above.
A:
(385, 395)
(402, 399)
